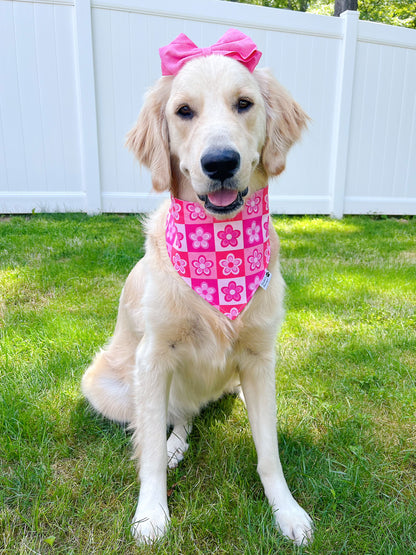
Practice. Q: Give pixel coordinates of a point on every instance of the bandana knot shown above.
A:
(223, 261)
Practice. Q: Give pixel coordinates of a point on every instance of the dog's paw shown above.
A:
(149, 526)
(295, 523)
(177, 448)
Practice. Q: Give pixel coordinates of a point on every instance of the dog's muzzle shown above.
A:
(221, 165)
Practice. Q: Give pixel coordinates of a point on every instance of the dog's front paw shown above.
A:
(177, 448)
(148, 526)
(294, 523)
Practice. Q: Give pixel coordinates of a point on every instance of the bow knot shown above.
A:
(233, 44)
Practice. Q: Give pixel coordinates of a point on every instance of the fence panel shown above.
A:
(382, 143)
(39, 130)
(73, 74)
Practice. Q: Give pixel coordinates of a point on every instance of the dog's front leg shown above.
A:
(152, 384)
(258, 384)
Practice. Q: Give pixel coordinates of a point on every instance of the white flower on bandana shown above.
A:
(178, 240)
(252, 204)
(233, 313)
(175, 209)
(255, 260)
(200, 238)
(179, 263)
(267, 255)
(171, 230)
(253, 233)
(196, 212)
(231, 264)
(205, 291)
(202, 266)
(254, 284)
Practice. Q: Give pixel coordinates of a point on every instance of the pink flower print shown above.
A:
(200, 238)
(266, 202)
(253, 233)
(205, 291)
(178, 240)
(175, 209)
(254, 284)
(229, 236)
(253, 204)
(232, 292)
(231, 264)
(196, 212)
(255, 260)
(171, 230)
(202, 266)
(266, 229)
(267, 255)
(233, 313)
(179, 263)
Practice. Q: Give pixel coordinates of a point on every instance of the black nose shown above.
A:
(220, 164)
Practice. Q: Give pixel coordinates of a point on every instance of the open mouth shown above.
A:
(224, 201)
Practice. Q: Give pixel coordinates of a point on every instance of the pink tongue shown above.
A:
(222, 197)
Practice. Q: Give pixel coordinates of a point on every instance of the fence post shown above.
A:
(342, 114)
(84, 60)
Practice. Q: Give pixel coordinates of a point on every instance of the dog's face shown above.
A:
(215, 132)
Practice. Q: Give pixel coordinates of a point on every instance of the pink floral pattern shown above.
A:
(179, 263)
(174, 210)
(255, 260)
(253, 204)
(205, 291)
(223, 261)
(202, 266)
(231, 264)
(232, 292)
(196, 211)
(178, 239)
(229, 236)
(253, 233)
(200, 238)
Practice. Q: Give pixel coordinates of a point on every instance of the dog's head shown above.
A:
(215, 132)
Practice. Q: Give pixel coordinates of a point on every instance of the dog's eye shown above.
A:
(185, 112)
(243, 104)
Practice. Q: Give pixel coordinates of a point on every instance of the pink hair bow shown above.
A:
(233, 44)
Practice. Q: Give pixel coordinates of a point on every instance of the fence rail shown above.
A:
(73, 75)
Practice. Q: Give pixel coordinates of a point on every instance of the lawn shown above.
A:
(346, 396)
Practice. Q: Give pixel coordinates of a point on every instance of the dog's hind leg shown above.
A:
(177, 445)
(107, 383)
(106, 390)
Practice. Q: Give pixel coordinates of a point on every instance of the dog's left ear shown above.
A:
(149, 138)
(285, 121)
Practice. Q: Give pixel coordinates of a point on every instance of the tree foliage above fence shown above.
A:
(392, 12)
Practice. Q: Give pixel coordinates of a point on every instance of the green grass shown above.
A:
(346, 394)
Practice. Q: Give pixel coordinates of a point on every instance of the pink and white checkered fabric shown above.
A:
(224, 261)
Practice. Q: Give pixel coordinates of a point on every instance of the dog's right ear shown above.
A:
(149, 138)
(285, 121)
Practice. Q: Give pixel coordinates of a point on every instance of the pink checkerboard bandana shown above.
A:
(224, 261)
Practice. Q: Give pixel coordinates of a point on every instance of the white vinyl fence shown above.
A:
(73, 74)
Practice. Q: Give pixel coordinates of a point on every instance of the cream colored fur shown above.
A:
(172, 352)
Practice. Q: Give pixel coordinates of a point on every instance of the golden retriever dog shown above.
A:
(212, 134)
